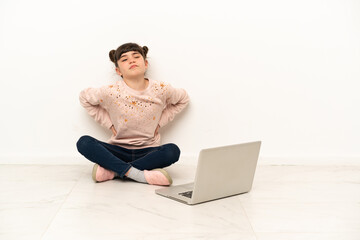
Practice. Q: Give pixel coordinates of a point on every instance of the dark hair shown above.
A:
(127, 47)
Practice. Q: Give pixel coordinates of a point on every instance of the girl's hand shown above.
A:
(113, 130)
(157, 130)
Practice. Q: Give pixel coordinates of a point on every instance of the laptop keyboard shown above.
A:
(186, 194)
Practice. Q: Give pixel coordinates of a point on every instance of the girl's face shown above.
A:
(131, 64)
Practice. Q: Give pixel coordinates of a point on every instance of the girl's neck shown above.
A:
(138, 84)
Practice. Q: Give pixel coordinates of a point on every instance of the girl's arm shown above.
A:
(177, 100)
(91, 99)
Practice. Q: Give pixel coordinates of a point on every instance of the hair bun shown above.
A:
(112, 55)
(145, 49)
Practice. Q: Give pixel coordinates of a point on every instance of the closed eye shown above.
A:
(126, 59)
(136, 55)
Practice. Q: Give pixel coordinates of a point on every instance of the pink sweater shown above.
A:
(134, 114)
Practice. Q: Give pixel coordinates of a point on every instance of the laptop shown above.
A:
(221, 172)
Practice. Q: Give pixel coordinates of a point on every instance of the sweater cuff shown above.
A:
(162, 122)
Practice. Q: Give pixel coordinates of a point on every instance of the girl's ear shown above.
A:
(118, 71)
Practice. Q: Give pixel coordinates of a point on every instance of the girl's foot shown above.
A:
(100, 174)
(158, 177)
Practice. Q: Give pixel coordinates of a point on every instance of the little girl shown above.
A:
(134, 108)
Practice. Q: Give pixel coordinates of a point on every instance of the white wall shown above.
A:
(284, 72)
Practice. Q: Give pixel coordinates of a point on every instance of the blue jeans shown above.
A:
(120, 160)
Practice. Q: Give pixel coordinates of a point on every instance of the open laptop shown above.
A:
(221, 172)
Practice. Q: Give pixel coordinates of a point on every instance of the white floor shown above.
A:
(286, 202)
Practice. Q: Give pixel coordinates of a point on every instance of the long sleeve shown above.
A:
(177, 99)
(91, 99)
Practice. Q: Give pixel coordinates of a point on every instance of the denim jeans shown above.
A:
(120, 160)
